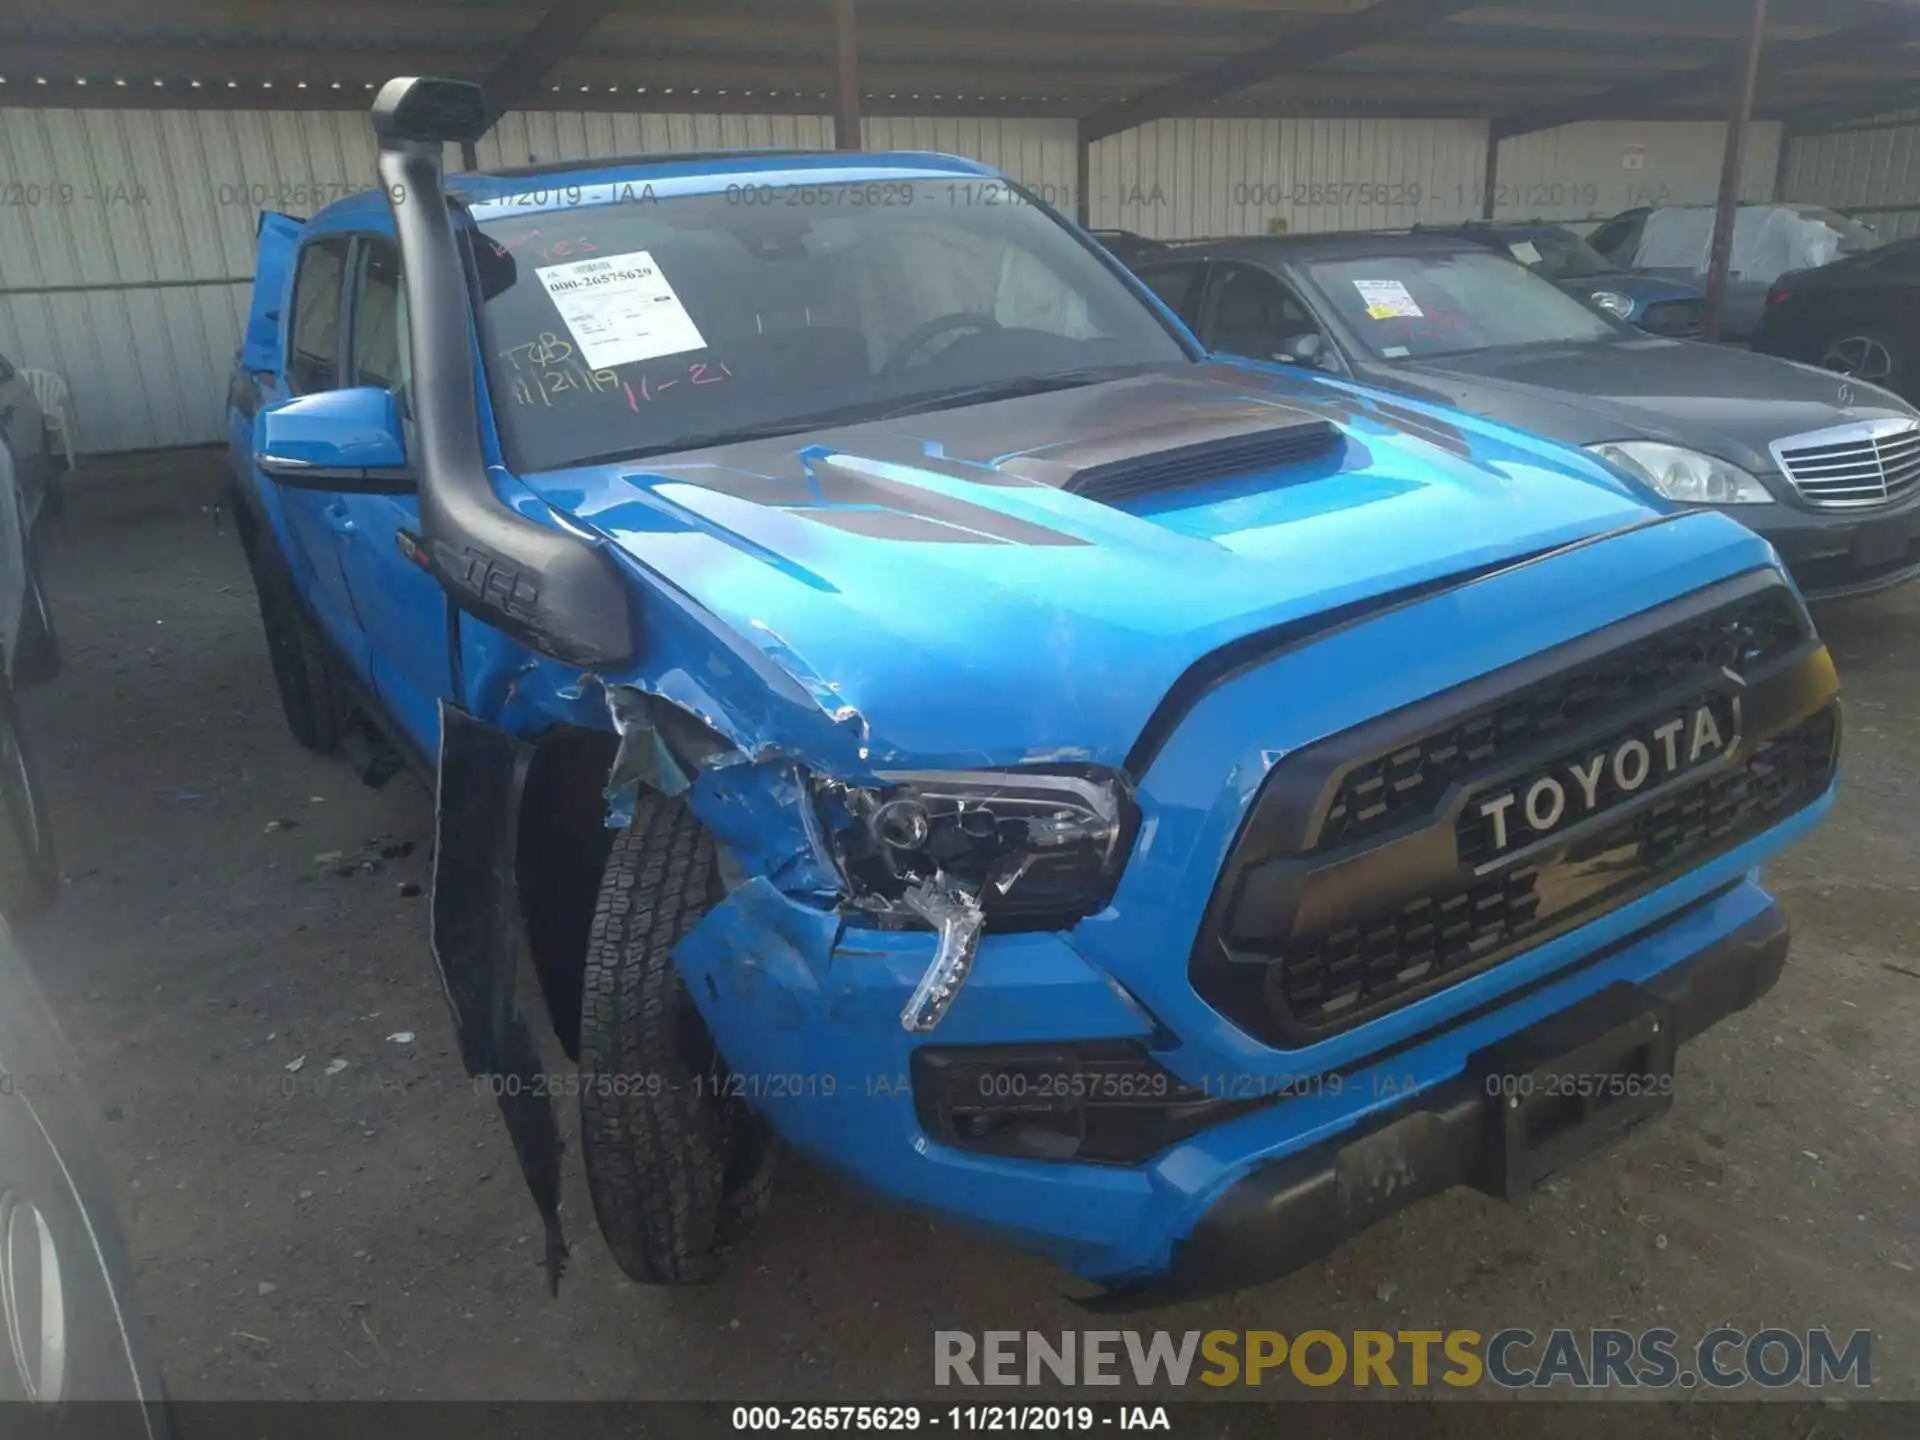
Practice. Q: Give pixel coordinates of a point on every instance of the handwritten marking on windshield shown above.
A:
(558, 249)
(538, 387)
(698, 373)
(548, 383)
(545, 350)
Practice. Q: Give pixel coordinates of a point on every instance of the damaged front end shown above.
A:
(586, 655)
(964, 851)
(953, 851)
(810, 845)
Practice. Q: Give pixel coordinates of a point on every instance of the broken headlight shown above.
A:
(1033, 850)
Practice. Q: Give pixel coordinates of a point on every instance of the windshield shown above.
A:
(1558, 255)
(642, 326)
(1409, 307)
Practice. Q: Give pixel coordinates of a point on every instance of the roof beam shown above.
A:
(1859, 112)
(218, 64)
(1896, 27)
(555, 35)
(1300, 50)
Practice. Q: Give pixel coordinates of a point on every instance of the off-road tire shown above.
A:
(304, 670)
(36, 650)
(29, 866)
(676, 1167)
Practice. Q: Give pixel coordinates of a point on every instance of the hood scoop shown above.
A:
(1217, 443)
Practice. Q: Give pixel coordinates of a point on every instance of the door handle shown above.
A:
(340, 519)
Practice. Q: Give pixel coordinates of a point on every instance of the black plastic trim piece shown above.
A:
(1302, 789)
(476, 934)
(353, 480)
(1294, 1211)
(1123, 1104)
(1304, 890)
(555, 591)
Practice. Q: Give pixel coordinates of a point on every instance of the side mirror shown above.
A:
(335, 440)
(1309, 350)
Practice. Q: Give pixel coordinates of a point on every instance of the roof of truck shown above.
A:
(693, 172)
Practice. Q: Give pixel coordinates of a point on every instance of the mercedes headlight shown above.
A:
(1613, 302)
(1033, 850)
(1684, 475)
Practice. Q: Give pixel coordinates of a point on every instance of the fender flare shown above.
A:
(476, 929)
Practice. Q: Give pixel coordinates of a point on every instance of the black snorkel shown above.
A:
(556, 592)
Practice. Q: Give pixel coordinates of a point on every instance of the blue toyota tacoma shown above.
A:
(898, 698)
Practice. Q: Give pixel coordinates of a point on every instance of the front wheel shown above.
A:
(676, 1164)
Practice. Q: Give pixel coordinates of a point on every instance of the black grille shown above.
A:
(1213, 460)
(1330, 981)
(1681, 319)
(1376, 796)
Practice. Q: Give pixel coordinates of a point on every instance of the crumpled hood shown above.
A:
(914, 572)
(1700, 396)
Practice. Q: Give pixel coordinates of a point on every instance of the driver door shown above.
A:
(315, 518)
(402, 606)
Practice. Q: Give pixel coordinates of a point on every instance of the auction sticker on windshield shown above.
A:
(1387, 300)
(1525, 251)
(620, 308)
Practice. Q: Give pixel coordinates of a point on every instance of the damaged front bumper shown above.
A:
(1471, 1130)
(806, 1009)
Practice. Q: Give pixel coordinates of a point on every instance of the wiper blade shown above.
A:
(868, 410)
(738, 435)
(1012, 389)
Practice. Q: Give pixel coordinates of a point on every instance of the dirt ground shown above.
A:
(365, 1234)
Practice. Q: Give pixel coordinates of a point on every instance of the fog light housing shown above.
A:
(1100, 1101)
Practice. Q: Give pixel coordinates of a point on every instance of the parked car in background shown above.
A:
(1674, 241)
(1655, 303)
(1859, 316)
(1127, 247)
(70, 1330)
(908, 700)
(23, 429)
(29, 867)
(1826, 468)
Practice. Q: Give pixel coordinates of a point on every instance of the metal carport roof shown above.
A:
(1109, 63)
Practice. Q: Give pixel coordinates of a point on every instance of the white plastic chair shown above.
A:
(50, 392)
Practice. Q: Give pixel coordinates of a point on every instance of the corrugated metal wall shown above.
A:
(1599, 168)
(1224, 177)
(134, 232)
(131, 232)
(1858, 170)
(1039, 153)
(1177, 178)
